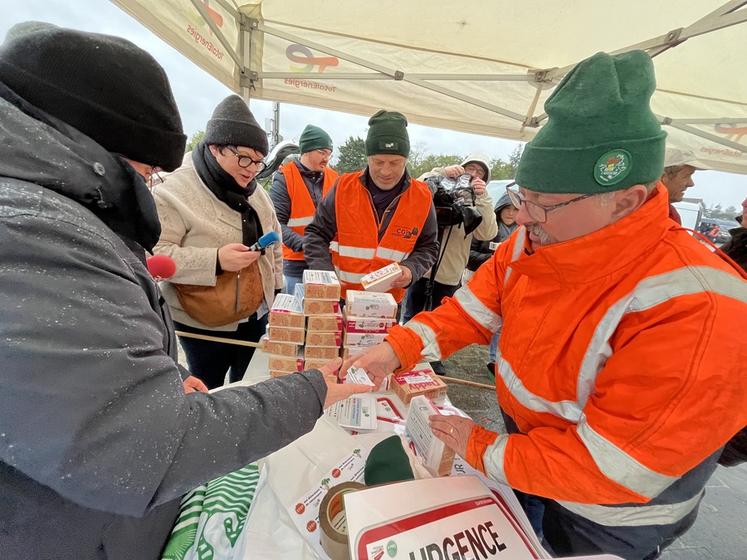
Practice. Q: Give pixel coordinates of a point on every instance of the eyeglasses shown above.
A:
(324, 152)
(538, 212)
(246, 161)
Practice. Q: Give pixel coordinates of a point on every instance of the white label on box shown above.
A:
(286, 303)
(358, 376)
(418, 427)
(357, 412)
(319, 277)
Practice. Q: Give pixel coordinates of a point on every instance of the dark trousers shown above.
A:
(210, 361)
(415, 301)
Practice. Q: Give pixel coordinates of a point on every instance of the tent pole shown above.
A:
(218, 33)
(706, 135)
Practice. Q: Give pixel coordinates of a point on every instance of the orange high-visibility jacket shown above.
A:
(302, 206)
(622, 360)
(356, 248)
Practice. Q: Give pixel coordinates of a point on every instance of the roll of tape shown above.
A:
(332, 522)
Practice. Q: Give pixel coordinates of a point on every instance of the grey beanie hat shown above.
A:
(233, 124)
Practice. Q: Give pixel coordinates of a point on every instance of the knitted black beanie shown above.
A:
(233, 124)
(105, 86)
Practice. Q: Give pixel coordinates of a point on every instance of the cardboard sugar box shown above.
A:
(325, 323)
(278, 347)
(368, 324)
(421, 381)
(275, 373)
(321, 353)
(333, 339)
(370, 304)
(286, 334)
(437, 457)
(363, 338)
(285, 363)
(353, 351)
(321, 306)
(381, 280)
(316, 363)
(321, 284)
(286, 311)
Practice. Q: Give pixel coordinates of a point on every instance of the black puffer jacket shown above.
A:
(98, 441)
(480, 251)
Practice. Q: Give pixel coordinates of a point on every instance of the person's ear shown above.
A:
(629, 200)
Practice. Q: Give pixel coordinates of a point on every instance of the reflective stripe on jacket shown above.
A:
(302, 206)
(621, 360)
(356, 249)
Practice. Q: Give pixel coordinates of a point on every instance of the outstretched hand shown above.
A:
(378, 362)
(339, 391)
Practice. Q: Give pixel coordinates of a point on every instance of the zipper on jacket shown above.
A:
(383, 216)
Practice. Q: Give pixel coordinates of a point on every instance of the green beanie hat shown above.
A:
(387, 462)
(601, 134)
(387, 134)
(314, 138)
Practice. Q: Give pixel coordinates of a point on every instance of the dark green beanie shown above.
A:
(387, 462)
(314, 138)
(387, 134)
(601, 134)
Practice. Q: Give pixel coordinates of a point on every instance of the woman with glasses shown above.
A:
(211, 213)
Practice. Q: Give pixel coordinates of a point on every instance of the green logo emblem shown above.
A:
(391, 549)
(612, 167)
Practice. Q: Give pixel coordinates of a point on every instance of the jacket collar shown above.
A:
(603, 252)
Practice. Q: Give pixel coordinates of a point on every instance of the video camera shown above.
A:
(454, 200)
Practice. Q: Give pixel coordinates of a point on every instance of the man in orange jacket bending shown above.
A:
(621, 358)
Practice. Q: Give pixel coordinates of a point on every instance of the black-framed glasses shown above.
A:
(246, 161)
(538, 212)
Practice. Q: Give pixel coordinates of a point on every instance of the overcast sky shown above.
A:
(197, 93)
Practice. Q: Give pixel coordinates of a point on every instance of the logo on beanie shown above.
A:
(612, 167)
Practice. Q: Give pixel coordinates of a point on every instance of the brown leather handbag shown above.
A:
(235, 296)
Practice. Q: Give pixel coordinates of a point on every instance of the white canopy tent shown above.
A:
(480, 66)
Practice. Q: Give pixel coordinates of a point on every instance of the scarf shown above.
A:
(228, 191)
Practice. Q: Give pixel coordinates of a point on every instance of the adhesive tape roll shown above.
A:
(334, 527)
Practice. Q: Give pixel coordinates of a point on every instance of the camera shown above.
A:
(454, 200)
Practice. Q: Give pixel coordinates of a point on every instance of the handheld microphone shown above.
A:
(161, 267)
(269, 238)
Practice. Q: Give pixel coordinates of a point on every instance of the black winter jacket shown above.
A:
(98, 442)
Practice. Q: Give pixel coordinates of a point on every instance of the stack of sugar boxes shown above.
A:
(368, 317)
(305, 329)
(320, 294)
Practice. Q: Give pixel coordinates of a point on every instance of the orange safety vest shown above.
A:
(302, 206)
(621, 360)
(356, 248)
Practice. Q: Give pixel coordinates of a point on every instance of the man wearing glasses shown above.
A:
(211, 212)
(297, 189)
(620, 365)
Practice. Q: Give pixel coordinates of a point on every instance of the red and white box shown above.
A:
(287, 311)
(370, 304)
(419, 381)
(321, 284)
(368, 324)
(437, 457)
(381, 280)
(363, 338)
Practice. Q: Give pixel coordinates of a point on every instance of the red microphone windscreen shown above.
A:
(161, 267)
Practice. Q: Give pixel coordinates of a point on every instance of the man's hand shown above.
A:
(235, 256)
(193, 385)
(454, 431)
(378, 362)
(453, 171)
(479, 186)
(339, 391)
(405, 279)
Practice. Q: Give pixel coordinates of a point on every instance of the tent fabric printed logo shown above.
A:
(301, 54)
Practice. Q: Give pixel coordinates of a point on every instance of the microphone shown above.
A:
(161, 267)
(269, 238)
